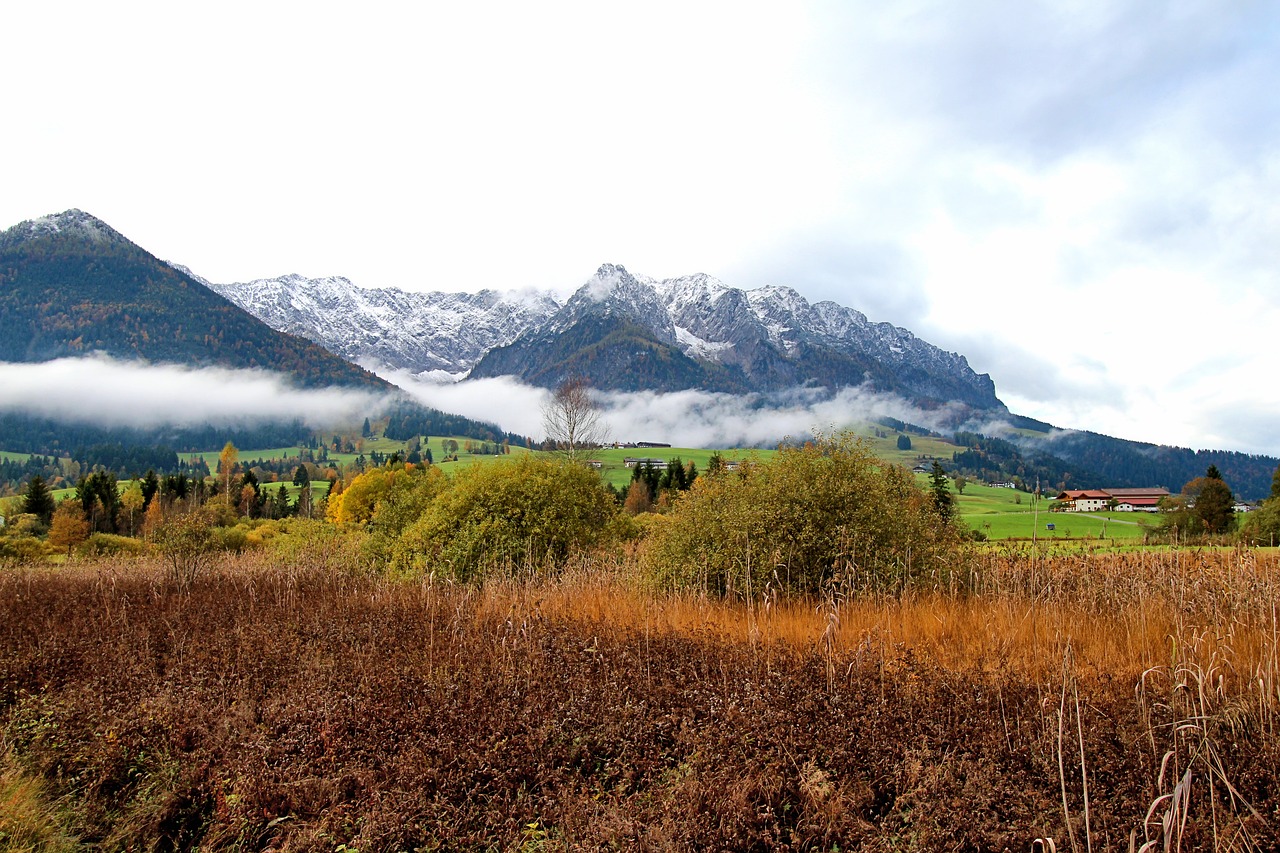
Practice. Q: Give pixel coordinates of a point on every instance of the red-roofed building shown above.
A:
(1120, 500)
(1138, 500)
(1083, 500)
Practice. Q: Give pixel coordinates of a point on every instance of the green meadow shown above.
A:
(1010, 514)
(616, 473)
(210, 457)
(613, 459)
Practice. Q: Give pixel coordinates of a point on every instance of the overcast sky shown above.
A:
(1083, 198)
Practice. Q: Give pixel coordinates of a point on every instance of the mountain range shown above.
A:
(622, 332)
(434, 333)
(71, 285)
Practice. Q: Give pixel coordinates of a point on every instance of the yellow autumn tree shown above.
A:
(69, 527)
(152, 518)
(227, 466)
(355, 504)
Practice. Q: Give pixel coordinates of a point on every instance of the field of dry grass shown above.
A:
(1105, 701)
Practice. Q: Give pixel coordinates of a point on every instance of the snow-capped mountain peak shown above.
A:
(614, 292)
(691, 331)
(73, 222)
(390, 328)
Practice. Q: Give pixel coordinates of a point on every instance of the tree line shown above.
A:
(1085, 460)
(24, 433)
(406, 419)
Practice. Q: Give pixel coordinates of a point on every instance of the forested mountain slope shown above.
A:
(71, 285)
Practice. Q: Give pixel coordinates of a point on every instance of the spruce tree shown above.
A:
(150, 486)
(99, 494)
(250, 496)
(281, 507)
(652, 478)
(678, 481)
(1215, 505)
(39, 500)
(942, 498)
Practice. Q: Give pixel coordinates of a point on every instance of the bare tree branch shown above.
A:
(571, 418)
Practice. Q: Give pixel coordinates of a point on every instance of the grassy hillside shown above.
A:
(1009, 514)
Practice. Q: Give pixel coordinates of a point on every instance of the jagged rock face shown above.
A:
(614, 292)
(768, 339)
(623, 332)
(388, 327)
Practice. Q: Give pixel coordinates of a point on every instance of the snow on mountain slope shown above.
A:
(75, 222)
(729, 326)
(613, 291)
(389, 327)
(766, 338)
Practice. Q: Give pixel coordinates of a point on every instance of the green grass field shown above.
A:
(60, 495)
(613, 470)
(922, 448)
(319, 489)
(210, 457)
(1009, 514)
(616, 473)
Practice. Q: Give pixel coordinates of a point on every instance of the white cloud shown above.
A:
(682, 418)
(111, 393)
(502, 401)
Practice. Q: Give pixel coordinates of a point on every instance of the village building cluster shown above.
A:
(1114, 500)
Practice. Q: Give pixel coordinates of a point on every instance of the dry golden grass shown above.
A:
(30, 821)
(1120, 613)
(1081, 697)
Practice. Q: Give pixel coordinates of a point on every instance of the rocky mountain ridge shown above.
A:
(622, 331)
(441, 333)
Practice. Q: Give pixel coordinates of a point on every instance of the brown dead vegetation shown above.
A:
(1102, 701)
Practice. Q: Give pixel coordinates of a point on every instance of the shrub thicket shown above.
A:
(404, 501)
(188, 543)
(110, 545)
(1262, 526)
(795, 522)
(508, 516)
